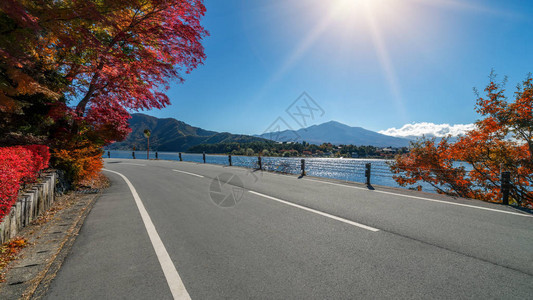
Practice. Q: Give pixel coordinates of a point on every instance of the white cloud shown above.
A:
(428, 130)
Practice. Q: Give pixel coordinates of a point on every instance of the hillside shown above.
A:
(172, 135)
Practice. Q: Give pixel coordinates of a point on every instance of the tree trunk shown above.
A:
(80, 108)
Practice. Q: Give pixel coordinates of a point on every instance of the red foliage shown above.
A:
(19, 164)
(109, 121)
(120, 51)
(41, 157)
(109, 57)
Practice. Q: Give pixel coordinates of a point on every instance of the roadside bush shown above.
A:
(80, 161)
(18, 165)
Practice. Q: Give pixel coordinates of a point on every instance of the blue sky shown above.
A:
(376, 64)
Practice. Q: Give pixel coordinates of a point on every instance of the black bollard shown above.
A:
(179, 154)
(108, 154)
(229, 160)
(505, 186)
(133, 154)
(156, 156)
(303, 167)
(367, 173)
(259, 163)
(204, 157)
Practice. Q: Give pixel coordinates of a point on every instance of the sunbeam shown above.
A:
(363, 28)
(386, 63)
(466, 6)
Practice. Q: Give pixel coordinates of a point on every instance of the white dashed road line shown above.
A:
(302, 207)
(188, 173)
(133, 164)
(317, 212)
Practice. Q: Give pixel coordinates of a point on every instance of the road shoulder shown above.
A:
(49, 239)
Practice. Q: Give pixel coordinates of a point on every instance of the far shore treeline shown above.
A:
(288, 149)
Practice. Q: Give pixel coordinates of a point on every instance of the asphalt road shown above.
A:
(214, 232)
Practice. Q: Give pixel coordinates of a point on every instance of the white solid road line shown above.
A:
(423, 198)
(188, 173)
(171, 274)
(318, 212)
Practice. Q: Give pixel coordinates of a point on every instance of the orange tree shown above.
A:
(501, 141)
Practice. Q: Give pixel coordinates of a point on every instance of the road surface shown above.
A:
(169, 229)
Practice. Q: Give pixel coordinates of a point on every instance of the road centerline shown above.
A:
(300, 206)
(177, 288)
(317, 212)
(188, 173)
(133, 164)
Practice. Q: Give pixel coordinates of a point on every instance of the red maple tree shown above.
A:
(108, 56)
(71, 71)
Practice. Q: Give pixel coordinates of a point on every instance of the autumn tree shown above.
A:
(72, 67)
(106, 55)
(471, 167)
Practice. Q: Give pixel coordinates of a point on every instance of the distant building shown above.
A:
(389, 150)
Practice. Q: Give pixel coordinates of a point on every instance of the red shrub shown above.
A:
(41, 156)
(19, 164)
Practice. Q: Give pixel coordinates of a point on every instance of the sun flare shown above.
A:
(352, 8)
(355, 28)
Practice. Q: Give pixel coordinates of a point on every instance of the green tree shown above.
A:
(249, 152)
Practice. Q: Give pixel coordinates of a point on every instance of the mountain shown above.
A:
(337, 133)
(172, 135)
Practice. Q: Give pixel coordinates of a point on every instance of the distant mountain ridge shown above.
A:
(337, 133)
(169, 134)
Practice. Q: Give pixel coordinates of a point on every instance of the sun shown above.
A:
(350, 7)
(354, 15)
(348, 4)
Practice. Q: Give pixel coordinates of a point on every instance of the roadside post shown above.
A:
(156, 156)
(367, 173)
(203, 157)
(259, 163)
(229, 160)
(147, 134)
(179, 155)
(133, 154)
(505, 186)
(303, 167)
